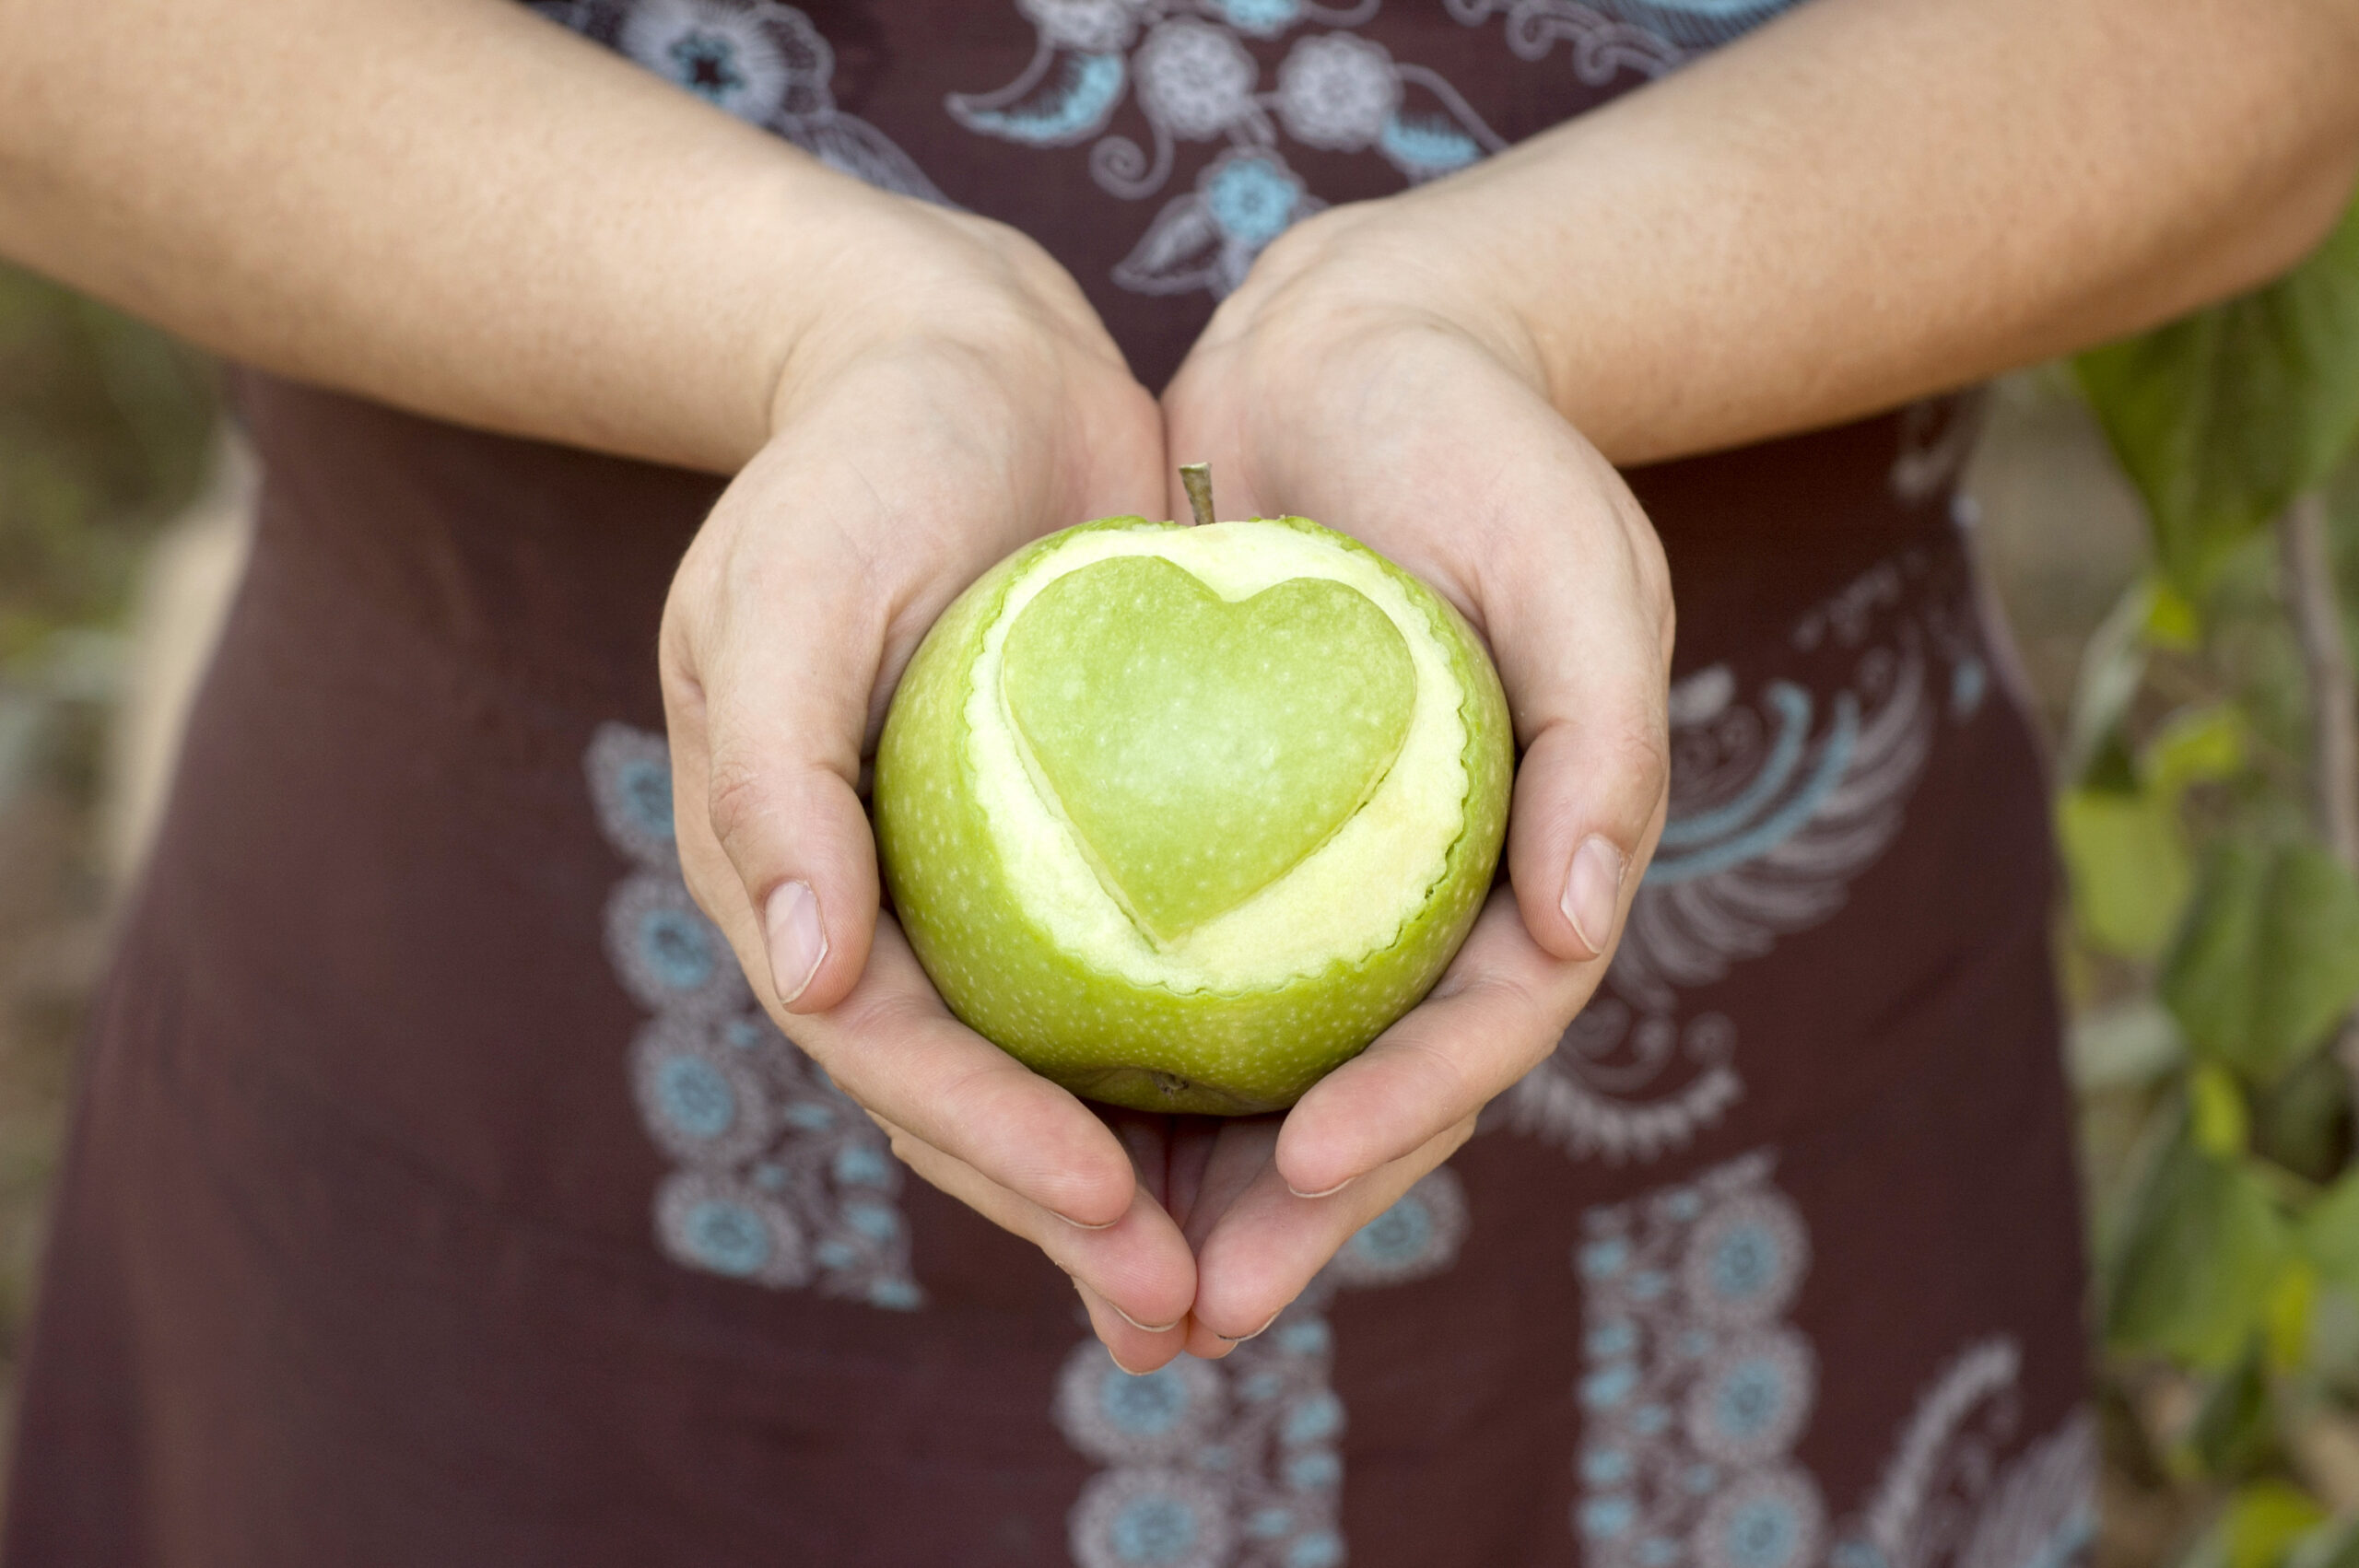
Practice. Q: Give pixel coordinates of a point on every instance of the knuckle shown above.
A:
(679, 660)
(675, 674)
(739, 799)
(1639, 750)
(876, 1079)
(1508, 996)
(1452, 1083)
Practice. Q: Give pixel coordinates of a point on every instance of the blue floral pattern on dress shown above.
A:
(1610, 37)
(1697, 1390)
(1188, 67)
(761, 61)
(778, 1179)
(1234, 1463)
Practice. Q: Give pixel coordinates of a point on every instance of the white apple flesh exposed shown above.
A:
(1183, 818)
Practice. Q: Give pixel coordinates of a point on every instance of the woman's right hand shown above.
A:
(955, 397)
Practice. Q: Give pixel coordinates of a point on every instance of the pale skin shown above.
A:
(454, 206)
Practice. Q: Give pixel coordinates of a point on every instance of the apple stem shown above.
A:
(1197, 477)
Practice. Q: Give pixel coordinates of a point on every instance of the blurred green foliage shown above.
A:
(105, 427)
(106, 430)
(2225, 418)
(2214, 944)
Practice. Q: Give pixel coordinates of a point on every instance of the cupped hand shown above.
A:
(1363, 377)
(956, 398)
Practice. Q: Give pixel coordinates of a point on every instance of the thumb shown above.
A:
(1584, 651)
(766, 703)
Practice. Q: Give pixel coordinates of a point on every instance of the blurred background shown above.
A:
(2157, 630)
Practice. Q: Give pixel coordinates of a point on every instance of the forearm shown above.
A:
(449, 204)
(1869, 200)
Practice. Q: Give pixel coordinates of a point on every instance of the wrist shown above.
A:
(855, 263)
(1377, 268)
(902, 278)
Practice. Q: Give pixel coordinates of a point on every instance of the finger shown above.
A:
(1127, 474)
(1200, 426)
(1269, 1242)
(1582, 635)
(1136, 1276)
(1145, 1136)
(895, 1049)
(1502, 1006)
(1135, 1349)
(767, 698)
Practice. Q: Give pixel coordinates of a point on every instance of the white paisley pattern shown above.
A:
(1945, 1498)
(1696, 1391)
(1780, 798)
(1234, 1463)
(761, 61)
(779, 1179)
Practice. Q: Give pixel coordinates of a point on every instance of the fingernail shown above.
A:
(798, 942)
(1240, 1339)
(1144, 1328)
(1593, 891)
(1118, 1362)
(1077, 1224)
(1328, 1193)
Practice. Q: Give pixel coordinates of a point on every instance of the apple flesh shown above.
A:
(1183, 817)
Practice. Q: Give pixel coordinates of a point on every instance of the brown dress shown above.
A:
(437, 1194)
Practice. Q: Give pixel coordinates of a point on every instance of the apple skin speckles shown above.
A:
(1104, 1035)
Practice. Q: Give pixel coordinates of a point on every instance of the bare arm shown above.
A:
(1868, 200)
(449, 204)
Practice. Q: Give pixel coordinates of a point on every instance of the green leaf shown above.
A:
(2331, 1233)
(2223, 418)
(2264, 1520)
(2217, 1118)
(2334, 1544)
(2232, 1433)
(2128, 861)
(2194, 1260)
(2268, 958)
(2198, 745)
(2172, 622)
(2113, 666)
(2287, 1319)
(2299, 1121)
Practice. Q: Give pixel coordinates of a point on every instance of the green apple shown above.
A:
(1183, 817)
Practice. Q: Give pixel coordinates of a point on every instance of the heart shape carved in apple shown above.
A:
(1200, 748)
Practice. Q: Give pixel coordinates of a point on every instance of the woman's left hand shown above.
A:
(1362, 377)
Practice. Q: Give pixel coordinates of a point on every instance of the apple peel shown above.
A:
(1207, 825)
